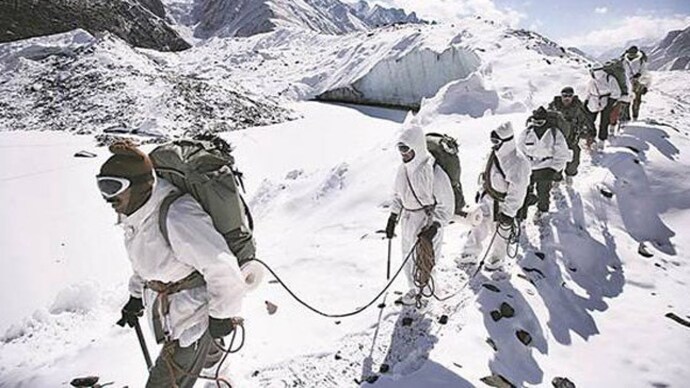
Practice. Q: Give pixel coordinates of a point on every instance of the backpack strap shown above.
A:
(163, 213)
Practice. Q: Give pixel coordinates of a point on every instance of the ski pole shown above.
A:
(142, 342)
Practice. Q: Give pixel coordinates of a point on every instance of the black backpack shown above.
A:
(445, 150)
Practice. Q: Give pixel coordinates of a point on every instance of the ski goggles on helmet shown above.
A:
(567, 95)
(112, 186)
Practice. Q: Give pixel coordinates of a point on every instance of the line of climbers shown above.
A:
(188, 231)
(518, 174)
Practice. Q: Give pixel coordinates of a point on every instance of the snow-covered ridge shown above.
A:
(395, 66)
(74, 82)
(228, 18)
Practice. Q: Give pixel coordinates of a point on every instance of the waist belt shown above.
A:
(161, 305)
(428, 209)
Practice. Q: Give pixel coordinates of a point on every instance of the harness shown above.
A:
(496, 195)
(161, 305)
(426, 208)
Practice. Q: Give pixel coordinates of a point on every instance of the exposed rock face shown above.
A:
(672, 53)
(138, 22)
(378, 16)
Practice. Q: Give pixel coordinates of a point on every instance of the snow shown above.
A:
(364, 67)
(319, 189)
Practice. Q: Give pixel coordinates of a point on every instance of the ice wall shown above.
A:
(405, 80)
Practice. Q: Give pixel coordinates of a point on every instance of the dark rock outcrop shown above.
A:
(139, 22)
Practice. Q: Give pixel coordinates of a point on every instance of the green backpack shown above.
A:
(445, 150)
(204, 168)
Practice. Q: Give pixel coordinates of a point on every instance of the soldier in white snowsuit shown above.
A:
(546, 148)
(635, 64)
(503, 188)
(603, 93)
(190, 287)
(423, 200)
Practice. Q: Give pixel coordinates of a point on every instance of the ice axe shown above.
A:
(142, 341)
(388, 266)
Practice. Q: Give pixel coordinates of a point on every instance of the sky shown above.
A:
(592, 25)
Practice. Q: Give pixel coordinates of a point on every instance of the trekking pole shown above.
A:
(388, 267)
(142, 342)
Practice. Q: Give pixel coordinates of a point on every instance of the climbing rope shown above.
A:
(174, 368)
(342, 315)
(510, 233)
(476, 271)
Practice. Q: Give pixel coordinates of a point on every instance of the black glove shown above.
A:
(131, 312)
(390, 226)
(504, 219)
(557, 176)
(219, 328)
(428, 232)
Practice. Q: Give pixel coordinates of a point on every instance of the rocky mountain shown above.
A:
(378, 16)
(224, 18)
(672, 53)
(583, 54)
(75, 82)
(138, 22)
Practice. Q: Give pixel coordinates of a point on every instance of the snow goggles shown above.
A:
(567, 95)
(538, 122)
(112, 186)
(403, 148)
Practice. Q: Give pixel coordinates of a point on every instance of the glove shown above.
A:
(504, 219)
(131, 312)
(390, 226)
(219, 328)
(428, 232)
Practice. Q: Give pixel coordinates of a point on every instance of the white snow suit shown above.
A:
(551, 151)
(195, 245)
(636, 66)
(601, 88)
(509, 174)
(422, 194)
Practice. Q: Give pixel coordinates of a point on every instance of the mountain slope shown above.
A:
(578, 286)
(227, 18)
(77, 83)
(141, 23)
(393, 66)
(672, 53)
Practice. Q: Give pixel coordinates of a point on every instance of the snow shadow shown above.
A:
(639, 206)
(645, 137)
(513, 359)
(410, 343)
(392, 114)
(572, 271)
(431, 375)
